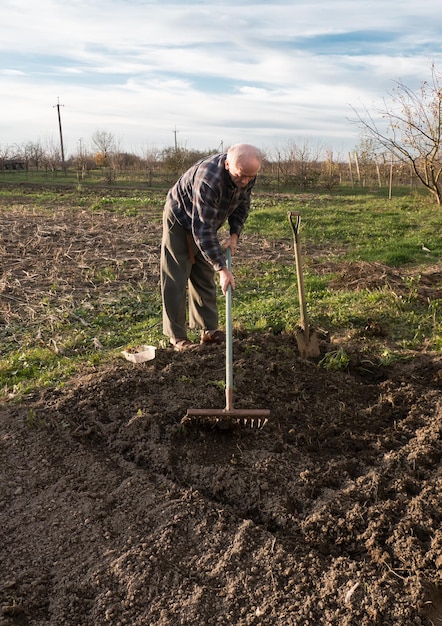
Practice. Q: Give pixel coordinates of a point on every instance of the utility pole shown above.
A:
(176, 143)
(57, 106)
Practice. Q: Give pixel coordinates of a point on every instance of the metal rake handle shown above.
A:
(229, 340)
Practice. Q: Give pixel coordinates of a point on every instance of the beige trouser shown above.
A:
(183, 276)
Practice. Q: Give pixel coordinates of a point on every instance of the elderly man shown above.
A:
(214, 190)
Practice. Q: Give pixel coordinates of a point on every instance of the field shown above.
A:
(112, 512)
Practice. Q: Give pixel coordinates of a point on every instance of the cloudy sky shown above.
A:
(207, 73)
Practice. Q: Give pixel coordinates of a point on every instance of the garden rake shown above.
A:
(253, 418)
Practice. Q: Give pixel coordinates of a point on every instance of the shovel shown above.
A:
(306, 338)
(252, 418)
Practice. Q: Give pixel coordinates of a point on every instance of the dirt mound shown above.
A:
(114, 513)
(359, 275)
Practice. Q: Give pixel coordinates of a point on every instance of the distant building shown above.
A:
(12, 165)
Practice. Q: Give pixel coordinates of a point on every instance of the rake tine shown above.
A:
(221, 417)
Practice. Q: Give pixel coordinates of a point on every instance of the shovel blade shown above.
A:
(308, 343)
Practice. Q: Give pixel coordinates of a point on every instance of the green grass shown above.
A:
(335, 228)
(360, 228)
(366, 228)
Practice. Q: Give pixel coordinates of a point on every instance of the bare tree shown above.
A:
(33, 152)
(303, 162)
(330, 175)
(414, 132)
(151, 157)
(52, 156)
(108, 153)
(5, 152)
(368, 158)
(104, 142)
(176, 160)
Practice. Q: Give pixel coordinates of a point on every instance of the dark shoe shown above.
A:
(182, 344)
(216, 337)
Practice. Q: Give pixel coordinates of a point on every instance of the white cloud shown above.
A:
(6, 72)
(258, 71)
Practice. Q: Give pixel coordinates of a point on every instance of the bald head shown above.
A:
(243, 152)
(243, 163)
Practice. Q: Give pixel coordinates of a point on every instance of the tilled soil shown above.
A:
(113, 512)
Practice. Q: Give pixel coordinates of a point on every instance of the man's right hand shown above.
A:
(225, 279)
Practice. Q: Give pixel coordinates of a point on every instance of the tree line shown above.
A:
(401, 144)
(295, 167)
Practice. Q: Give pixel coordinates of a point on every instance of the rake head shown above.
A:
(255, 419)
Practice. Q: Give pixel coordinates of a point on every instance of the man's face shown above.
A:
(242, 172)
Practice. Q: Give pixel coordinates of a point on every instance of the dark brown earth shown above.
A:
(113, 513)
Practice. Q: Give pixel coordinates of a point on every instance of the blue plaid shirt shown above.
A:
(203, 199)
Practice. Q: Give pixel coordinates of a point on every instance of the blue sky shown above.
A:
(273, 74)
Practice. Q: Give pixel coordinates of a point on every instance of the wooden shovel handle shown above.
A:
(295, 223)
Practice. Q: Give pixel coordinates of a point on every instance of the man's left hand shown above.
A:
(231, 242)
